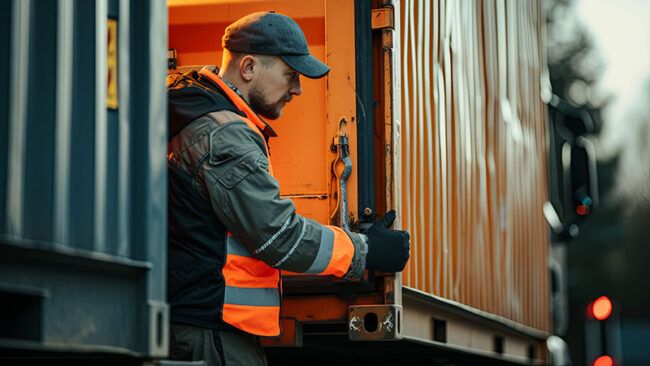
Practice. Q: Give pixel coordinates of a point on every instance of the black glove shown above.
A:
(388, 250)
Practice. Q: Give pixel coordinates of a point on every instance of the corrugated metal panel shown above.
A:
(83, 192)
(474, 155)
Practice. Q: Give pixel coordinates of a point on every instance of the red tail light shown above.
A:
(604, 361)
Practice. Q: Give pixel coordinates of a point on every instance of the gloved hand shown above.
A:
(388, 250)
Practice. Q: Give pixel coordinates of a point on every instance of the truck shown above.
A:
(437, 109)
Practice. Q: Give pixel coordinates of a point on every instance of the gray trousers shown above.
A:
(215, 347)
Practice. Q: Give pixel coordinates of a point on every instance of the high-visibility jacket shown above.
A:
(251, 233)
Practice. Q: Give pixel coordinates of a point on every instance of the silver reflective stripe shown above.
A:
(275, 236)
(252, 296)
(295, 245)
(324, 252)
(234, 247)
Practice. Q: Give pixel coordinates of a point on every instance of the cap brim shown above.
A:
(307, 65)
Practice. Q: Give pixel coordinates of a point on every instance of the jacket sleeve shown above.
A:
(246, 198)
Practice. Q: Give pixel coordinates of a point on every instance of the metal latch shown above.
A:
(172, 59)
(375, 322)
(342, 145)
(382, 18)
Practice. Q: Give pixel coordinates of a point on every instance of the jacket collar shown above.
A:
(239, 102)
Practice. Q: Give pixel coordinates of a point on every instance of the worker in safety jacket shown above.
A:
(230, 232)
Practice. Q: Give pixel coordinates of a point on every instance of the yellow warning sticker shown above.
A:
(111, 94)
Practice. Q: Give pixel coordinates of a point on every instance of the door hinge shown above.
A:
(382, 18)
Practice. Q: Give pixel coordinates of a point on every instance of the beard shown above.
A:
(257, 102)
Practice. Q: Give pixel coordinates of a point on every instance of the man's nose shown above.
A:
(296, 88)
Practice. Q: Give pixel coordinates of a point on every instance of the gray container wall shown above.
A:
(82, 187)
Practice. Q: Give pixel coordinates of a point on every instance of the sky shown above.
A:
(621, 33)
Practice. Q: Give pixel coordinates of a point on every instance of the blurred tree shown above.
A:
(574, 63)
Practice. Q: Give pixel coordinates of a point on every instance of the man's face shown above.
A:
(274, 85)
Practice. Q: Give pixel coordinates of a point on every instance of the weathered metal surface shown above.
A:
(83, 193)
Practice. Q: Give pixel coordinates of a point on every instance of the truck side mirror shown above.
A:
(573, 169)
(580, 178)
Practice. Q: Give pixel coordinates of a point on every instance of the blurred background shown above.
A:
(599, 60)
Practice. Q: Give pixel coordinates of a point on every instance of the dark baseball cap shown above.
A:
(270, 33)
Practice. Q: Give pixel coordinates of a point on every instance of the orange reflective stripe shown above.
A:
(342, 253)
(242, 271)
(259, 320)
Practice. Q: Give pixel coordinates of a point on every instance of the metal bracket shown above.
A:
(375, 322)
(382, 18)
(159, 328)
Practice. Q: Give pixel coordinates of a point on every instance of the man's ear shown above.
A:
(246, 67)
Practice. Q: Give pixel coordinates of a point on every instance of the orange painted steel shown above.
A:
(327, 308)
(474, 155)
(324, 308)
(301, 155)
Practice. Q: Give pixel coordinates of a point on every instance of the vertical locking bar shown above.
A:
(344, 156)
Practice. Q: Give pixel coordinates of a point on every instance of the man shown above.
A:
(230, 233)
